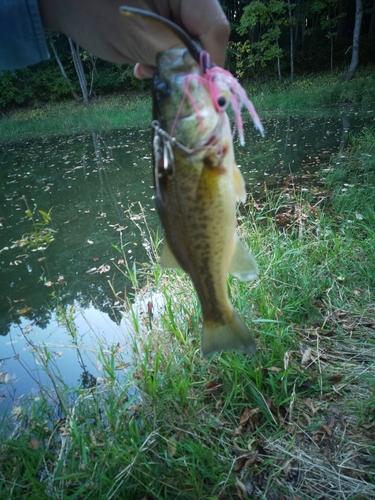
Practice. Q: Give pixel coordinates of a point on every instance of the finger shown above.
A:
(215, 42)
(207, 21)
(142, 71)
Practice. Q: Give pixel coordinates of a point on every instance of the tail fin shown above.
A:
(233, 335)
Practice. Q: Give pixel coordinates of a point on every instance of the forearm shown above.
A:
(22, 38)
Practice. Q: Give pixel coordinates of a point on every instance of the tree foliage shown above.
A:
(60, 77)
(277, 36)
(263, 21)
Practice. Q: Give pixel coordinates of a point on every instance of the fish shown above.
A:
(197, 187)
(198, 184)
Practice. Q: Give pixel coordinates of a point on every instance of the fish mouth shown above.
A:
(209, 138)
(213, 138)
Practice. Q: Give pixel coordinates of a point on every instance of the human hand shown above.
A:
(98, 26)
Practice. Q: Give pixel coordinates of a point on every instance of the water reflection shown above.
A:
(91, 181)
(90, 184)
(72, 360)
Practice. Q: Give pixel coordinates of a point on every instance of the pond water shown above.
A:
(90, 182)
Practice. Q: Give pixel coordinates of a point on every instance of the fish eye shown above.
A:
(221, 101)
(163, 89)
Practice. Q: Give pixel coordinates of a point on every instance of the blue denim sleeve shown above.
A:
(22, 37)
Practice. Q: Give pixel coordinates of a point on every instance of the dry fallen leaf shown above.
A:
(239, 464)
(307, 418)
(219, 403)
(4, 378)
(212, 387)
(331, 423)
(306, 357)
(252, 460)
(245, 415)
(238, 450)
(133, 407)
(287, 468)
(310, 406)
(172, 446)
(328, 430)
(122, 366)
(336, 378)
(286, 360)
(24, 310)
(291, 429)
(17, 411)
(241, 490)
(245, 487)
(104, 268)
(34, 444)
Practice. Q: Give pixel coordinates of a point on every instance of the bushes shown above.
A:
(8, 90)
(27, 86)
(45, 83)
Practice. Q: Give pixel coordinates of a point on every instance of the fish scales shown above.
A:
(198, 230)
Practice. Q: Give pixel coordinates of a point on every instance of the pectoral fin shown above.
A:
(243, 265)
(168, 260)
(239, 184)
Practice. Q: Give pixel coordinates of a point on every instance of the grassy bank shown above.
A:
(315, 91)
(70, 118)
(295, 421)
(119, 112)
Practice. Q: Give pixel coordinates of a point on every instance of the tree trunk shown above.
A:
(291, 43)
(356, 36)
(79, 70)
(297, 16)
(279, 69)
(331, 39)
(62, 69)
(93, 72)
(372, 23)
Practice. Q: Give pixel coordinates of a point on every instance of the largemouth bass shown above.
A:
(197, 181)
(197, 186)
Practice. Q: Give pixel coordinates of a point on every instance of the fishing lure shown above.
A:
(225, 89)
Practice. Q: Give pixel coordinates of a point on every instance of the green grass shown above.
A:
(313, 92)
(120, 112)
(297, 420)
(70, 118)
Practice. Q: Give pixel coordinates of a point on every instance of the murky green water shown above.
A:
(91, 181)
